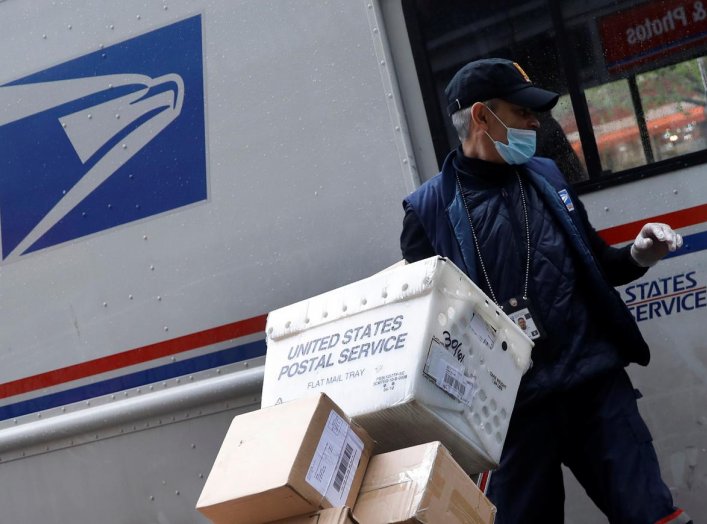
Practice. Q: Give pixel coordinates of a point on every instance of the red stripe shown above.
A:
(483, 482)
(134, 356)
(676, 219)
(670, 517)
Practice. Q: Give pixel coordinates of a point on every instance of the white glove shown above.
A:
(653, 243)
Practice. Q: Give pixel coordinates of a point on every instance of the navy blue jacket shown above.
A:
(440, 209)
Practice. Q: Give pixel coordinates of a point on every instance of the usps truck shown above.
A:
(173, 170)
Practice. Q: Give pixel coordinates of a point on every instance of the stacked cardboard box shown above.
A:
(290, 461)
(306, 462)
(287, 460)
(420, 485)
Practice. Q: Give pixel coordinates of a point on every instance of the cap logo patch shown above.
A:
(520, 70)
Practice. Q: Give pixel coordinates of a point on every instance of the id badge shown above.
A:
(520, 311)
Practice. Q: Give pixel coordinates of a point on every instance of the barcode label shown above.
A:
(456, 384)
(448, 374)
(451, 382)
(335, 461)
(343, 469)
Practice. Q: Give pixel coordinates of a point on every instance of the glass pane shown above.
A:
(674, 103)
(615, 126)
(639, 69)
(568, 153)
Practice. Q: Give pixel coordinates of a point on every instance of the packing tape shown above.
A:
(416, 475)
(463, 510)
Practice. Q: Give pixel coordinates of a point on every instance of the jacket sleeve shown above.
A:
(617, 263)
(414, 243)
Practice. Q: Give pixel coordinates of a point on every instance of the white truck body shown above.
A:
(172, 171)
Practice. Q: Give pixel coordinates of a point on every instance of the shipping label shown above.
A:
(448, 373)
(335, 461)
(482, 330)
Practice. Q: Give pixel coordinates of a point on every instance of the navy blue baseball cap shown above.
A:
(489, 78)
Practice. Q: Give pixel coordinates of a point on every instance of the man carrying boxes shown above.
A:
(513, 223)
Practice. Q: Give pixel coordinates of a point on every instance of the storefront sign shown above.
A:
(651, 31)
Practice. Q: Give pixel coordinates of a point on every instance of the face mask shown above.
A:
(520, 147)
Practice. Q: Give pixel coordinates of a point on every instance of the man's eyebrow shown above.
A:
(525, 110)
(516, 107)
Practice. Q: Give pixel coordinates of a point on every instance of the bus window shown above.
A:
(673, 106)
(643, 83)
(630, 74)
(570, 156)
(674, 103)
(615, 126)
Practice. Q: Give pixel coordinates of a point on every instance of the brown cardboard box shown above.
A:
(420, 485)
(291, 459)
(325, 516)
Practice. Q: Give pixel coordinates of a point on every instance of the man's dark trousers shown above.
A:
(595, 430)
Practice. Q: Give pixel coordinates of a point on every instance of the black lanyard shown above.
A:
(476, 241)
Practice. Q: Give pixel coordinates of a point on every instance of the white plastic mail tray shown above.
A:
(414, 354)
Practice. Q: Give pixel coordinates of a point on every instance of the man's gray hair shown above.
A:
(461, 120)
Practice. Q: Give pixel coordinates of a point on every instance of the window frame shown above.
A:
(597, 178)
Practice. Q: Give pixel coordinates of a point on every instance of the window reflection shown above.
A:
(571, 162)
(615, 126)
(674, 103)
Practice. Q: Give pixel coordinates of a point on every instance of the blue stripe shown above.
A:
(133, 380)
(691, 244)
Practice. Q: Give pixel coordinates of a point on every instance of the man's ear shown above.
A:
(479, 116)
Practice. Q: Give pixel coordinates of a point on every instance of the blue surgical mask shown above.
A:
(520, 147)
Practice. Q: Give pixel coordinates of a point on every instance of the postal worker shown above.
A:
(514, 225)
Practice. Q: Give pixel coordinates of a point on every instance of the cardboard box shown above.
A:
(326, 516)
(287, 460)
(424, 485)
(427, 354)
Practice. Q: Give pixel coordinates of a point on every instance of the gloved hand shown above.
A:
(653, 243)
